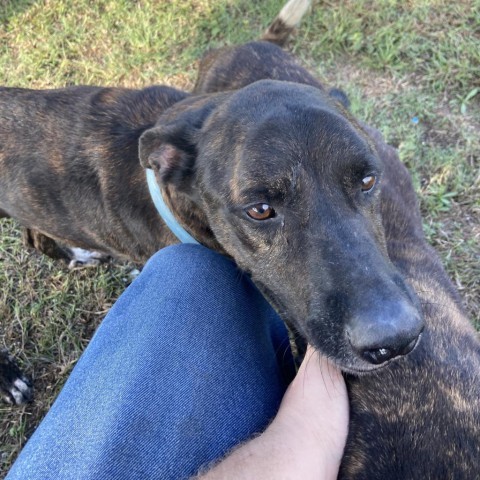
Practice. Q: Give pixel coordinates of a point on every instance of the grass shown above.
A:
(410, 68)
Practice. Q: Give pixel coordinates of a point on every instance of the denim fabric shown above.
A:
(189, 362)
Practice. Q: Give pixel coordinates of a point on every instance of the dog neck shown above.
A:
(165, 212)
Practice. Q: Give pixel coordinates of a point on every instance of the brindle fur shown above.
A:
(418, 417)
(207, 149)
(292, 146)
(214, 156)
(399, 414)
(70, 175)
(70, 170)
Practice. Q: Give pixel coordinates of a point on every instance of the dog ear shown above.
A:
(171, 149)
(168, 151)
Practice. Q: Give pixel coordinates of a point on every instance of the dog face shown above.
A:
(289, 187)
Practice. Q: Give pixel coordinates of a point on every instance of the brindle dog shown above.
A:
(419, 416)
(277, 175)
(70, 174)
(282, 178)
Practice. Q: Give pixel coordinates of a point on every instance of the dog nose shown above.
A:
(379, 337)
(381, 355)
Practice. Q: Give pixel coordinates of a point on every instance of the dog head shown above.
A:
(289, 186)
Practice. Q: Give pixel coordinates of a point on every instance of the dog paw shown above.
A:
(19, 392)
(15, 388)
(84, 258)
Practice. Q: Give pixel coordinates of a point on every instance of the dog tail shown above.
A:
(286, 21)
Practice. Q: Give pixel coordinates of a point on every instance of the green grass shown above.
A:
(396, 60)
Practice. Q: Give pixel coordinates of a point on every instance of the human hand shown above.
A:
(307, 437)
(315, 412)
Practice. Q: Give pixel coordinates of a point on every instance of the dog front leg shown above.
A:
(46, 245)
(76, 257)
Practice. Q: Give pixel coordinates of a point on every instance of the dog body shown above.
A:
(419, 416)
(70, 175)
(279, 176)
(276, 175)
(399, 414)
(70, 170)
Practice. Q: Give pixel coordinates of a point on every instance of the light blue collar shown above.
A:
(164, 211)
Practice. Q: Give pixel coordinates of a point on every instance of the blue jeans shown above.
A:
(189, 362)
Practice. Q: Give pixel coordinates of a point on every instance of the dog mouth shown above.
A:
(370, 367)
(363, 371)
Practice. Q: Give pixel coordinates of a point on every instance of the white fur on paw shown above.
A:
(20, 391)
(85, 258)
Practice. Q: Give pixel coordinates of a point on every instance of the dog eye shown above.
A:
(260, 211)
(368, 183)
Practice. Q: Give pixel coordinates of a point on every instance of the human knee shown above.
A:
(188, 263)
